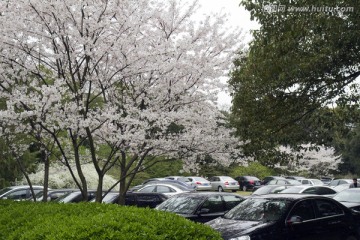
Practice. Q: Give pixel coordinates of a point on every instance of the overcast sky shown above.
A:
(237, 17)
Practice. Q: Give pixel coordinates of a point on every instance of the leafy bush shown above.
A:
(29, 220)
(253, 169)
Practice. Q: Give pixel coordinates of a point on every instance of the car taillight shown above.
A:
(198, 183)
(226, 183)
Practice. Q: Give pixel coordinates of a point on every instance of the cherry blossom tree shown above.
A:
(116, 83)
(319, 160)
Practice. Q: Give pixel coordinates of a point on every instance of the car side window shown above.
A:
(19, 194)
(147, 189)
(323, 191)
(326, 208)
(214, 204)
(272, 182)
(231, 201)
(310, 191)
(164, 189)
(305, 182)
(281, 182)
(304, 210)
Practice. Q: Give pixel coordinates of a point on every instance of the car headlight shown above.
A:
(246, 237)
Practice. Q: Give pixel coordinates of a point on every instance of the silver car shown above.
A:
(222, 183)
(201, 183)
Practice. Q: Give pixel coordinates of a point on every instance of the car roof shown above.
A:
(205, 194)
(25, 186)
(288, 196)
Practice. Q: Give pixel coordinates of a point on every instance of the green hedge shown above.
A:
(29, 220)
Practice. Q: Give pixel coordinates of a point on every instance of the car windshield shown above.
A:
(348, 196)
(268, 189)
(258, 209)
(181, 204)
(109, 198)
(4, 190)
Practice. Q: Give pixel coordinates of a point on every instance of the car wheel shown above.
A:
(220, 189)
(244, 188)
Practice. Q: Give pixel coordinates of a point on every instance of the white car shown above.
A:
(201, 183)
(181, 179)
(166, 189)
(222, 183)
(312, 182)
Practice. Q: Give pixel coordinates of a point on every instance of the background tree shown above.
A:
(106, 80)
(300, 62)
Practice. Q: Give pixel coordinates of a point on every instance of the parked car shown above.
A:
(341, 187)
(312, 182)
(288, 216)
(182, 179)
(280, 182)
(201, 183)
(326, 180)
(137, 199)
(76, 197)
(52, 194)
(298, 178)
(307, 189)
(269, 178)
(22, 192)
(267, 189)
(248, 182)
(222, 183)
(162, 180)
(337, 182)
(201, 206)
(164, 188)
(349, 198)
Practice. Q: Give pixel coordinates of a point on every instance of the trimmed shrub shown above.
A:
(29, 220)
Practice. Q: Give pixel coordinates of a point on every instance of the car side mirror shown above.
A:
(294, 220)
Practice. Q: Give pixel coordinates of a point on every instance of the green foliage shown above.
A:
(28, 220)
(298, 63)
(253, 169)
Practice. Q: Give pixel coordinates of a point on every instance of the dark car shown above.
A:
(248, 182)
(201, 206)
(52, 194)
(287, 216)
(75, 197)
(137, 199)
(349, 198)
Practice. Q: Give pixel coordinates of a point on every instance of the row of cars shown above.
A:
(269, 216)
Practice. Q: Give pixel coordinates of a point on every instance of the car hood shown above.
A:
(350, 204)
(234, 228)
